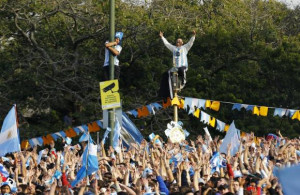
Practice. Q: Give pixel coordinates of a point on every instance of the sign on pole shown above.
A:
(109, 92)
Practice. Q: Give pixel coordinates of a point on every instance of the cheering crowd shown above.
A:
(190, 167)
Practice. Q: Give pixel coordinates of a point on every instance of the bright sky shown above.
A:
(291, 3)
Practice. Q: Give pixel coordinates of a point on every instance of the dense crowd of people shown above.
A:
(190, 167)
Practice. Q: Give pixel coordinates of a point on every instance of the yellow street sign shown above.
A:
(109, 92)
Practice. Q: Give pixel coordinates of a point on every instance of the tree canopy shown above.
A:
(52, 53)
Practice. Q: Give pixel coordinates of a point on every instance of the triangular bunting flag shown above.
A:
(197, 113)
(263, 111)
(215, 105)
(175, 101)
(255, 111)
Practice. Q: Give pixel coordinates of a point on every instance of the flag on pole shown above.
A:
(232, 138)
(89, 163)
(9, 138)
(116, 136)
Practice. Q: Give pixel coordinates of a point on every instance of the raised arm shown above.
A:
(166, 42)
(191, 42)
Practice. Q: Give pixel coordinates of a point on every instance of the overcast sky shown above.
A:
(291, 3)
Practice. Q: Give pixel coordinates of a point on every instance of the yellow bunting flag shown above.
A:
(212, 121)
(175, 101)
(255, 111)
(296, 115)
(197, 113)
(226, 128)
(207, 104)
(263, 111)
(215, 105)
(181, 105)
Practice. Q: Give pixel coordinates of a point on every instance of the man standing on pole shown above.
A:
(180, 52)
(115, 48)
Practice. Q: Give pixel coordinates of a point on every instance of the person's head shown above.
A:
(179, 42)
(5, 188)
(118, 37)
(222, 181)
(216, 174)
(52, 144)
(223, 189)
(30, 189)
(236, 186)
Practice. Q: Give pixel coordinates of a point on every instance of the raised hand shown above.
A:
(161, 34)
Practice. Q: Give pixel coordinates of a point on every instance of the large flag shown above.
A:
(9, 138)
(289, 179)
(129, 132)
(89, 163)
(232, 137)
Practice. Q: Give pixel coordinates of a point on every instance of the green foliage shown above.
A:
(52, 53)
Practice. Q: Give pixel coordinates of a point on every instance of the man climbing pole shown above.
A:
(115, 48)
(180, 61)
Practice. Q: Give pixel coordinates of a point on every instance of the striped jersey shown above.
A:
(179, 53)
(116, 60)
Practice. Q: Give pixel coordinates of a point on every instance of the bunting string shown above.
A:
(192, 105)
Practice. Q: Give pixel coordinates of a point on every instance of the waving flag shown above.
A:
(89, 163)
(116, 136)
(9, 138)
(231, 137)
(289, 179)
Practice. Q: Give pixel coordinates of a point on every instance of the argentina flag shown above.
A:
(89, 163)
(9, 138)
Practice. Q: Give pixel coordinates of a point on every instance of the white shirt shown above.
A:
(116, 60)
(180, 53)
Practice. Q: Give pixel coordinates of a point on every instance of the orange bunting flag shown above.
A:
(296, 115)
(24, 144)
(197, 113)
(167, 104)
(181, 105)
(255, 111)
(215, 105)
(207, 104)
(70, 133)
(143, 111)
(93, 127)
(212, 121)
(45, 140)
(175, 101)
(263, 111)
(226, 128)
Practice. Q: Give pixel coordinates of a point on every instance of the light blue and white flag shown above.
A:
(9, 138)
(116, 136)
(84, 137)
(217, 162)
(107, 131)
(3, 170)
(289, 179)
(40, 156)
(231, 137)
(36, 141)
(89, 163)
(129, 132)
